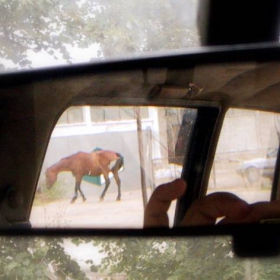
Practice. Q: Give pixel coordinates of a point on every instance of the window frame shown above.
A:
(198, 158)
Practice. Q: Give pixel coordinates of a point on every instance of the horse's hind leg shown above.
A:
(107, 183)
(118, 181)
(78, 189)
(75, 194)
(82, 194)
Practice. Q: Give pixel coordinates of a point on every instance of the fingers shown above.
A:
(207, 210)
(262, 211)
(159, 203)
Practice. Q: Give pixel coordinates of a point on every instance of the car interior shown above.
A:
(209, 116)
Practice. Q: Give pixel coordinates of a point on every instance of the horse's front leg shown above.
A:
(79, 181)
(107, 183)
(75, 193)
(78, 189)
(81, 193)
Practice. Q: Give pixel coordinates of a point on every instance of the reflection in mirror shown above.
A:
(246, 155)
(103, 163)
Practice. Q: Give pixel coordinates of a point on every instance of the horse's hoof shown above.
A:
(118, 199)
(101, 198)
(73, 200)
(84, 199)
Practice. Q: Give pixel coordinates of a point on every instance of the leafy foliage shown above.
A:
(168, 259)
(176, 259)
(122, 27)
(36, 25)
(133, 258)
(36, 258)
(118, 27)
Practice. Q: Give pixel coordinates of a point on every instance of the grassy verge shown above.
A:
(59, 190)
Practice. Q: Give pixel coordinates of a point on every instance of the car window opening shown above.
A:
(113, 154)
(246, 154)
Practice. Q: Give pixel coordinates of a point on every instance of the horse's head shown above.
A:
(51, 178)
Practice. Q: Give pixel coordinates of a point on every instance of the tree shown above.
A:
(118, 27)
(36, 258)
(182, 258)
(37, 25)
(142, 26)
(177, 258)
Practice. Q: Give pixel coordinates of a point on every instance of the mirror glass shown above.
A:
(128, 150)
(137, 143)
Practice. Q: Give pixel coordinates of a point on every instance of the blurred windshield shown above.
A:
(47, 33)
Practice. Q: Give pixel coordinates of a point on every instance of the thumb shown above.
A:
(159, 203)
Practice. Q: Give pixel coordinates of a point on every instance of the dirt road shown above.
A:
(127, 213)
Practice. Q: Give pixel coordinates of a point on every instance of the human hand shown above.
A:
(156, 210)
(206, 210)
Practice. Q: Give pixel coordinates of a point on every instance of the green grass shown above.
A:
(58, 191)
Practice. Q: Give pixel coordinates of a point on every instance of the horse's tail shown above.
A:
(119, 163)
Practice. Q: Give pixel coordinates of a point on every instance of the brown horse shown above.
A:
(94, 164)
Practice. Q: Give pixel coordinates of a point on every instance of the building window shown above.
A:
(71, 116)
(116, 113)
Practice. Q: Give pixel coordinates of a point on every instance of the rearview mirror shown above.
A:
(144, 122)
